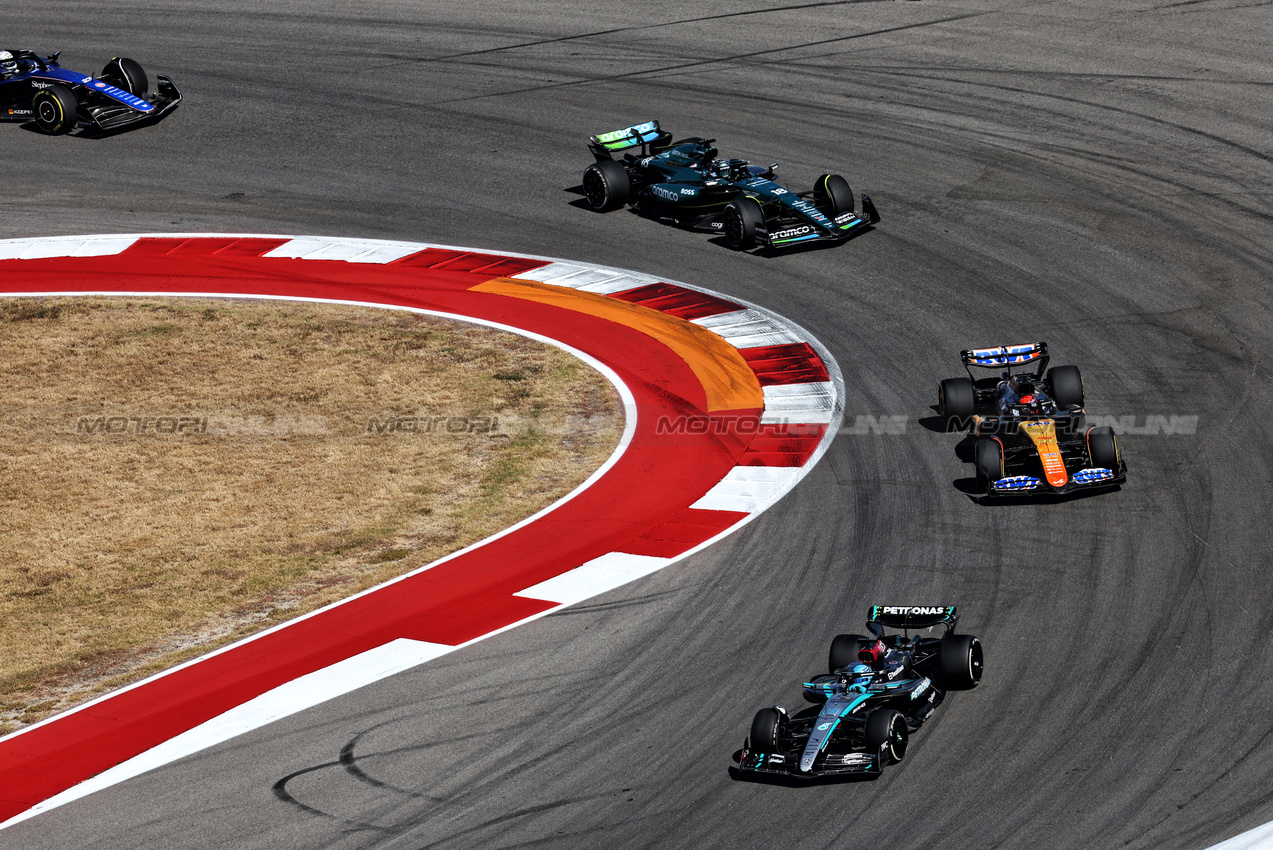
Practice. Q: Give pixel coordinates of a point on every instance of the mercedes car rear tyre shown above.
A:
(886, 733)
(960, 662)
(832, 195)
(606, 185)
(844, 651)
(55, 110)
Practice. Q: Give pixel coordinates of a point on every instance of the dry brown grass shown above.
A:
(244, 488)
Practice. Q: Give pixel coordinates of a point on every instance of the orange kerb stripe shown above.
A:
(728, 381)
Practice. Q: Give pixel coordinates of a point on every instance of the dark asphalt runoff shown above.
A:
(1092, 174)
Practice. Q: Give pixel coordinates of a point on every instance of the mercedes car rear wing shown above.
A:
(914, 617)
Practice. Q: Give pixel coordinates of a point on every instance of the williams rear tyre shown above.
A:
(886, 734)
(989, 458)
(1102, 448)
(55, 110)
(960, 662)
(1067, 385)
(766, 728)
(832, 195)
(742, 218)
(127, 75)
(606, 185)
(844, 651)
(957, 403)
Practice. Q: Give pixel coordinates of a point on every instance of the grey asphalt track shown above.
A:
(1089, 173)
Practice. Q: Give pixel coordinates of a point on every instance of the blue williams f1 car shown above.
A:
(880, 689)
(684, 183)
(1030, 426)
(35, 88)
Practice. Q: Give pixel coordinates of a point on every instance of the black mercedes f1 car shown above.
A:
(879, 689)
(684, 183)
(1030, 427)
(35, 88)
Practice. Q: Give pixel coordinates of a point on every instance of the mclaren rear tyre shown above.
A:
(886, 734)
(1067, 385)
(742, 218)
(765, 729)
(960, 662)
(989, 458)
(844, 651)
(126, 74)
(55, 110)
(832, 195)
(1102, 448)
(957, 403)
(606, 185)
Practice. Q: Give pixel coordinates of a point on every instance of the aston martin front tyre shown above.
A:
(126, 74)
(832, 195)
(886, 734)
(765, 728)
(844, 651)
(960, 662)
(55, 110)
(742, 218)
(606, 185)
(989, 458)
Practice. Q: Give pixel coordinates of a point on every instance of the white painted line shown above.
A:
(750, 489)
(349, 250)
(75, 246)
(597, 576)
(295, 696)
(587, 278)
(749, 329)
(1260, 838)
(800, 404)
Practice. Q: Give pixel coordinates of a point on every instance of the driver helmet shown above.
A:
(859, 674)
(7, 63)
(1025, 390)
(872, 653)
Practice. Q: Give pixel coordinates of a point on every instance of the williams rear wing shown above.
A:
(1006, 355)
(649, 137)
(914, 617)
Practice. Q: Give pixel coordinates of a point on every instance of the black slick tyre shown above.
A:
(1067, 385)
(126, 74)
(957, 403)
(55, 110)
(886, 733)
(742, 218)
(960, 662)
(989, 460)
(765, 728)
(832, 195)
(1102, 448)
(606, 185)
(844, 651)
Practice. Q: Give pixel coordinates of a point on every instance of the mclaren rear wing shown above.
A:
(1006, 355)
(914, 617)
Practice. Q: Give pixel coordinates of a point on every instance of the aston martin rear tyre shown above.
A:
(957, 403)
(1102, 448)
(989, 457)
(606, 185)
(764, 730)
(886, 733)
(741, 219)
(126, 74)
(844, 651)
(832, 195)
(960, 662)
(55, 110)
(1067, 385)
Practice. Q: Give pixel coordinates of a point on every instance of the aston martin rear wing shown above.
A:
(647, 136)
(1006, 355)
(914, 617)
